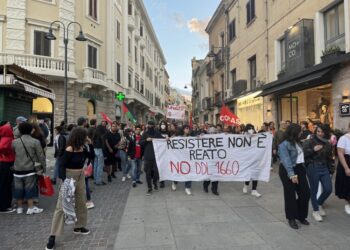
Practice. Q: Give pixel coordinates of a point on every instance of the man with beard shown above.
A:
(151, 169)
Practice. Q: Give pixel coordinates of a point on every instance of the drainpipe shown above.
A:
(267, 47)
(227, 49)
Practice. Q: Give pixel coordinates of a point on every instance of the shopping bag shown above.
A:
(88, 170)
(45, 186)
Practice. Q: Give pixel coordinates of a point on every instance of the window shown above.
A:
(92, 57)
(118, 30)
(90, 108)
(117, 73)
(283, 53)
(142, 62)
(137, 83)
(335, 27)
(129, 80)
(42, 46)
(130, 8)
(232, 30)
(252, 72)
(141, 29)
(233, 78)
(141, 87)
(136, 55)
(156, 81)
(93, 9)
(250, 10)
(129, 45)
(147, 70)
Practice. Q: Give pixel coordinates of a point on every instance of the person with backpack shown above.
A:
(60, 142)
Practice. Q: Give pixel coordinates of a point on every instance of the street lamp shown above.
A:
(80, 38)
(186, 86)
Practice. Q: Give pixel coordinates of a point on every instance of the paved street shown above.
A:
(173, 220)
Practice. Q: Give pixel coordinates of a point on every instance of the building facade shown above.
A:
(288, 60)
(110, 61)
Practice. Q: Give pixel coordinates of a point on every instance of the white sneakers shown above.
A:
(321, 211)
(256, 193)
(19, 210)
(347, 209)
(124, 178)
(245, 189)
(128, 176)
(90, 204)
(188, 191)
(317, 216)
(34, 210)
(173, 186)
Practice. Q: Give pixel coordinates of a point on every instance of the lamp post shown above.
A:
(80, 38)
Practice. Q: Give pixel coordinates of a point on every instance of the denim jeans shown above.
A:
(316, 173)
(87, 189)
(188, 184)
(135, 169)
(124, 161)
(98, 165)
(55, 171)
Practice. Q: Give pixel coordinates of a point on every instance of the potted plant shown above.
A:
(331, 53)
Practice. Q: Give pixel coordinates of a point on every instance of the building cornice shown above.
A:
(150, 27)
(217, 14)
(93, 39)
(36, 22)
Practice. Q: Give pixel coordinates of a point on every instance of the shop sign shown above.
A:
(248, 102)
(344, 109)
(294, 49)
(89, 95)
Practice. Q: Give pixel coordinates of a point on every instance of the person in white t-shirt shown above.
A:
(342, 181)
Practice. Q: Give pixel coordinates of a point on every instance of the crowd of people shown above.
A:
(307, 155)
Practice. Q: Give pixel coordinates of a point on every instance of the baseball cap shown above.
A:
(21, 119)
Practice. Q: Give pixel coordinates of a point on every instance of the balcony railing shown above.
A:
(131, 23)
(95, 76)
(218, 99)
(210, 69)
(42, 65)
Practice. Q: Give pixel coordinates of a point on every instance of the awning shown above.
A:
(305, 82)
(35, 90)
(311, 77)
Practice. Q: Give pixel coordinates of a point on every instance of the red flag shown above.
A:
(106, 118)
(227, 117)
(191, 122)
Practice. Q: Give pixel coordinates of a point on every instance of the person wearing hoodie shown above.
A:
(163, 129)
(152, 174)
(7, 157)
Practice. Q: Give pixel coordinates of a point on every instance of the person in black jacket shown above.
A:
(318, 158)
(152, 174)
(111, 148)
(60, 147)
(164, 131)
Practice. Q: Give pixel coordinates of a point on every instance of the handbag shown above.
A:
(45, 186)
(37, 165)
(88, 170)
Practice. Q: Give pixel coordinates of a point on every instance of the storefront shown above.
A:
(250, 110)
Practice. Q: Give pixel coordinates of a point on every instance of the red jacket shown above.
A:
(7, 154)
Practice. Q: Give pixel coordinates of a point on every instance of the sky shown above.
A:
(180, 28)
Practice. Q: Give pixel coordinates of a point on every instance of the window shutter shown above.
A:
(95, 57)
(47, 45)
(248, 12)
(95, 9)
(37, 41)
(90, 7)
(252, 9)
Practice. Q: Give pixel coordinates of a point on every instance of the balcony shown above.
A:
(132, 95)
(131, 23)
(41, 65)
(218, 99)
(142, 43)
(94, 76)
(219, 59)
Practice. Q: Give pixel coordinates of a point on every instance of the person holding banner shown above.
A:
(163, 129)
(214, 184)
(249, 130)
(185, 132)
(293, 176)
(150, 165)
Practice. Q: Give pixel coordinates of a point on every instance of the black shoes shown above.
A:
(109, 178)
(149, 192)
(51, 243)
(82, 231)
(155, 188)
(134, 184)
(139, 182)
(113, 175)
(293, 224)
(304, 222)
(162, 185)
(215, 192)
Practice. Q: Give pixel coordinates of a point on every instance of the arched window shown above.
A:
(42, 105)
(91, 111)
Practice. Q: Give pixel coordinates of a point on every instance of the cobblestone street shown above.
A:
(32, 231)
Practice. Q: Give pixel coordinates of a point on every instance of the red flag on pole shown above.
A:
(227, 117)
(106, 118)
(191, 122)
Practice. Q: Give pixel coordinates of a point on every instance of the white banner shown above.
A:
(175, 112)
(220, 157)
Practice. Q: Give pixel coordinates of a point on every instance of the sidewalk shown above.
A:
(173, 220)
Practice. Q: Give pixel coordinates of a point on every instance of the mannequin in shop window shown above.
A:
(325, 116)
